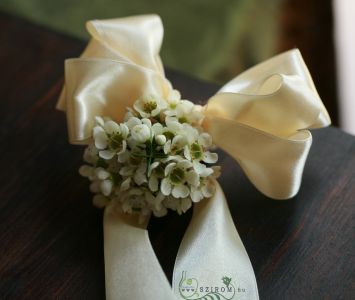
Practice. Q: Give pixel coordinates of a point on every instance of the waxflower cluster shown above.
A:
(157, 159)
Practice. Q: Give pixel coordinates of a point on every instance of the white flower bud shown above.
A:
(141, 133)
(160, 139)
(86, 171)
(100, 201)
(102, 173)
(106, 187)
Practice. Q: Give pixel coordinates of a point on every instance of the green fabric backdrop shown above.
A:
(210, 39)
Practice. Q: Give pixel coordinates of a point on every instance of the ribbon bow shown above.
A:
(260, 118)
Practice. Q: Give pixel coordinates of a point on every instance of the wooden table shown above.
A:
(51, 236)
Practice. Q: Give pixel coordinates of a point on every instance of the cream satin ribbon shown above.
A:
(260, 118)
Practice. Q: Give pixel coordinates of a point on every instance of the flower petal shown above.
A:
(126, 171)
(180, 191)
(168, 168)
(106, 187)
(174, 96)
(124, 130)
(102, 173)
(193, 178)
(153, 183)
(208, 189)
(140, 177)
(86, 171)
(106, 154)
(196, 195)
(157, 128)
(123, 157)
(160, 212)
(216, 171)
(133, 121)
(147, 122)
(173, 124)
(210, 158)
(201, 169)
(149, 198)
(152, 167)
(100, 138)
(165, 187)
(178, 142)
(167, 147)
(95, 186)
(99, 121)
(125, 184)
(90, 154)
(185, 204)
(100, 201)
(206, 172)
(111, 127)
(187, 152)
(184, 164)
(205, 140)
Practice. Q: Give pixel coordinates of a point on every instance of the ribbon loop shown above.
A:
(124, 39)
(120, 63)
(101, 87)
(260, 118)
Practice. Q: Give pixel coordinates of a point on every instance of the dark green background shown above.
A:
(212, 40)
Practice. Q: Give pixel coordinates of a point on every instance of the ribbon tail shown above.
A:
(212, 261)
(132, 270)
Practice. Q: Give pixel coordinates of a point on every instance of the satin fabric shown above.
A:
(260, 118)
(210, 249)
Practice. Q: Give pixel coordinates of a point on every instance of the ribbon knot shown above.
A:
(261, 118)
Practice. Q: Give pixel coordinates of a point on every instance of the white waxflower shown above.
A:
(132, 200)
(179, 205)
(206, 190)
(185, 111)
(109, 138)
(176, 144)
(174, 127)
(141, 133)
(149, 106)
(176, 177)
(91, 154)
(201, 169)
(174, 98)
(198, 150)
(156, 203)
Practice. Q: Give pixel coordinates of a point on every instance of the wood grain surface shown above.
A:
(51, 236)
